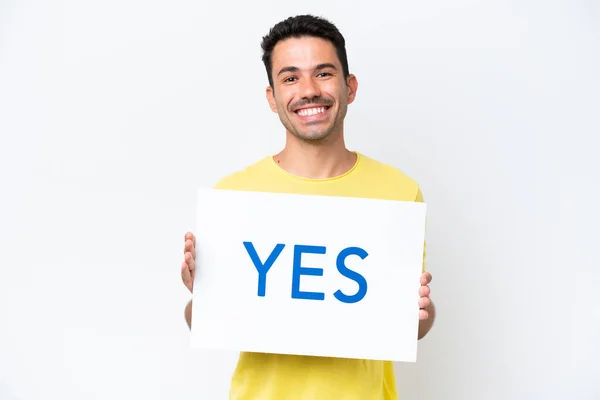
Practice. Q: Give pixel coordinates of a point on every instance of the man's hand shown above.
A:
(426, 307)
(188, 268)
(424, 301)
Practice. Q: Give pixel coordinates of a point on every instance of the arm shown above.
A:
(188, 314)
(427, 308)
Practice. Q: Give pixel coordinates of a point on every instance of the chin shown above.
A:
(313, 136)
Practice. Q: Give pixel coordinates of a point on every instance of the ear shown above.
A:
(271, 99)
(352, 87)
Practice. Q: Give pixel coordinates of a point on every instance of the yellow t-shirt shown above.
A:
(260, 376)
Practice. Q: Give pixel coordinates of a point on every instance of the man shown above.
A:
(310, 88)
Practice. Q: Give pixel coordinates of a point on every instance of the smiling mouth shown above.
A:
(308, 112)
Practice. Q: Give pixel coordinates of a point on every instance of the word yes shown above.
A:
(299, 270)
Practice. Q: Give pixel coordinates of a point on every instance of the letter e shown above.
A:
(300, 270)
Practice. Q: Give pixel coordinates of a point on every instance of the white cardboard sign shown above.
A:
(307, 275)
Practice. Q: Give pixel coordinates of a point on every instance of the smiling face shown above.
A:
(309, 92)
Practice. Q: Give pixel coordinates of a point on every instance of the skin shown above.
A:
(314, 149)
(307, 74)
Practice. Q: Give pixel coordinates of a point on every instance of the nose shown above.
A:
(309, 89)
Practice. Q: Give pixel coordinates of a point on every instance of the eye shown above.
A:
(324, 74)
(289, 79)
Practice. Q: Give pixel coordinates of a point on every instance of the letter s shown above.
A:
(348, 273)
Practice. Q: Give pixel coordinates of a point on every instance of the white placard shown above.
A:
(307, 275)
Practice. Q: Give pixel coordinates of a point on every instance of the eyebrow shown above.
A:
(317, 68)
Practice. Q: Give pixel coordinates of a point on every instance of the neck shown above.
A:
(315, 160)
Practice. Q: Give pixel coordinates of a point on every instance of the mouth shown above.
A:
(313, 113)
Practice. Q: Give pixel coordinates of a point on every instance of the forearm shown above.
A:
(188, 314)
(426, 324)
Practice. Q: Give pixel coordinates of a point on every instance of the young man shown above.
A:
(310, 88)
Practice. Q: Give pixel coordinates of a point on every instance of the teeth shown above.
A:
(311, 111)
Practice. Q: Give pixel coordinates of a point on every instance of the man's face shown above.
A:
(309, 91)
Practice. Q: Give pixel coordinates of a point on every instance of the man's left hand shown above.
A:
(424, 300)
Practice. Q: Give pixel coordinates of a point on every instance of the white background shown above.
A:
(112, 114)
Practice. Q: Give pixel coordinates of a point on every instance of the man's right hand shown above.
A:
(188, 268)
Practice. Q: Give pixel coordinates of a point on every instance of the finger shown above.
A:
(424, 302)
(189, 247)
(186, 276)
(189, 236)
(190, 261)
(423, 315)
(426, 278)
(424, 291)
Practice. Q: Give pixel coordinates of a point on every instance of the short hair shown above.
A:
(303, 26)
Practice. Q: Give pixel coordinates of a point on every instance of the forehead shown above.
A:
(304, 52)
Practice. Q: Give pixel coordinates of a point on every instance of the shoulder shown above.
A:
(238, 180)
(391, 176)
